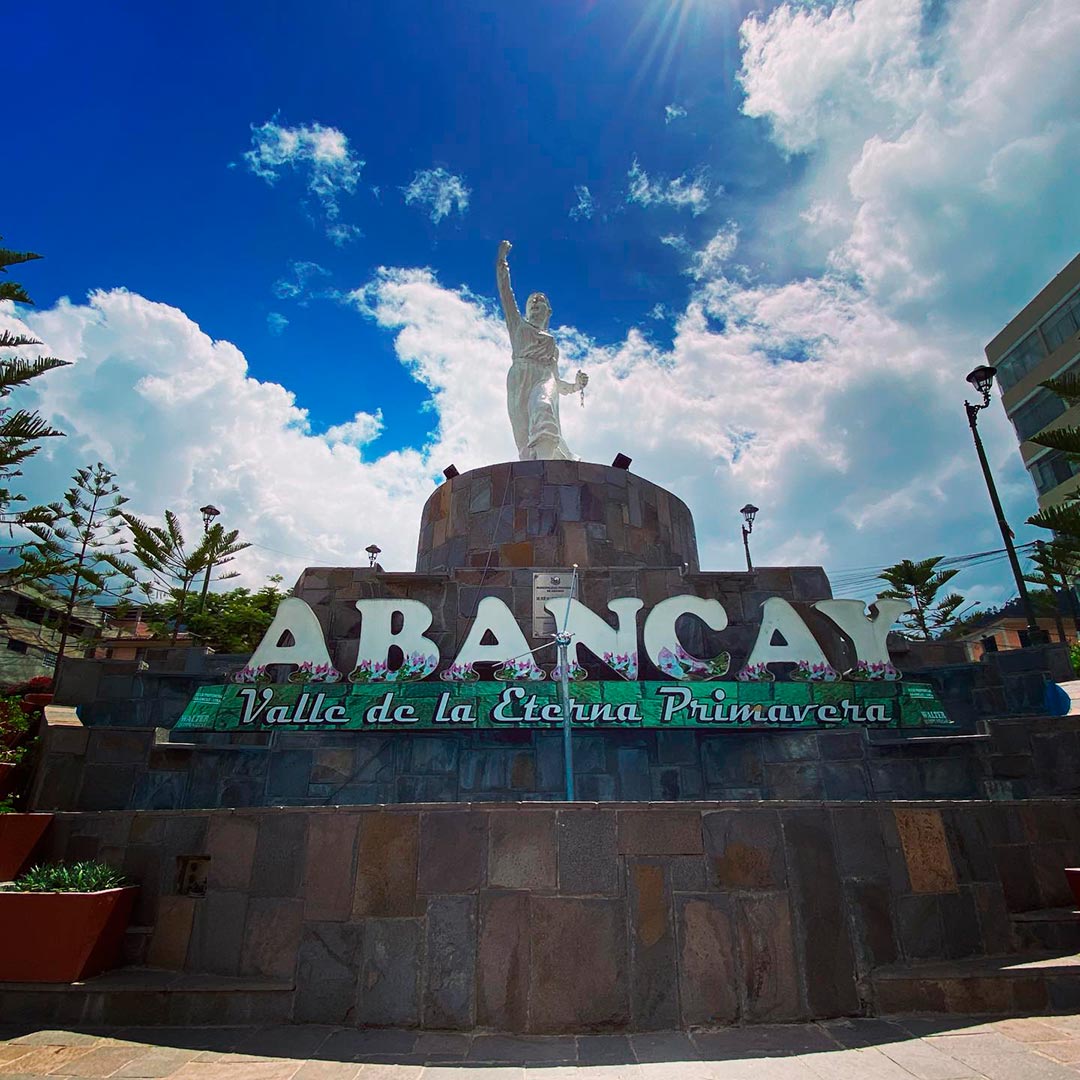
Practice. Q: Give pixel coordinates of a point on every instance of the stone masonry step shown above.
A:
(1051, 930)
(138, 995)
(1002, 985)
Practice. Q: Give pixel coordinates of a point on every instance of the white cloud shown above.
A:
(342, 234)
(585, 205)
(673, 112)
(276, 323)
(676, 241)
(684, 192)
(320, 154)
(438, 190)
(361, 429)
(710, 260)
(302, 286)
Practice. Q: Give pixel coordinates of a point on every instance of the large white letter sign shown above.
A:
(778, 614)
(294, 617)
(868, 635)
(376, 637)
(493, 616)
(662, 644)
(616, 646)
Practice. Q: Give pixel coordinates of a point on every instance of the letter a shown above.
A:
(309, 645)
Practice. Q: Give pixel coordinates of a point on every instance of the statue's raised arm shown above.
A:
(506, 293)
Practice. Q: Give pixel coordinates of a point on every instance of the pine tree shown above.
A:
(20, 429)
(919, 584)
(77, 549)
(163, 553)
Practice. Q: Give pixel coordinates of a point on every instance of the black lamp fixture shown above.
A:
(374, 551)
(621, 462)
(209, 512)
(982, 379)
(450, 472)
(749, 512)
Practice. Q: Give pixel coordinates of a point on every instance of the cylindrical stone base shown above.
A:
(554, 514)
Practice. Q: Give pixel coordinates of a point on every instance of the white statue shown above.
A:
(533, 385)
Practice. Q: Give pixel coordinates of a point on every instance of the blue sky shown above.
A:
(802, 222)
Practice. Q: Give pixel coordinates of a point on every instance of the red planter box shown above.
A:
(62, 937)
(19, 834)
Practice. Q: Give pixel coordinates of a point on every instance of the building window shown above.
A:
(16, 646)
(1052, 469)
(1039, 410)
(1021, 359)
(1063, 323)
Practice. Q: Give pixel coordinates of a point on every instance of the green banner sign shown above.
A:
(441, 706)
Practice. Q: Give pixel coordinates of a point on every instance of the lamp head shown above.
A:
(982, 378)
(209, 512)
(749, 512)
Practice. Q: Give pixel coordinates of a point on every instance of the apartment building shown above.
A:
(1043, 340)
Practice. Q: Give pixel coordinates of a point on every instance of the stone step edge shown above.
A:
(1047, 915)
(144, 980)
(1008, 966)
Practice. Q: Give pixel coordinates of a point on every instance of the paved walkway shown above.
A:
(931, 1048)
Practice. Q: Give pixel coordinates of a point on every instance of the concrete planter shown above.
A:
(19, 835)
(62, 937)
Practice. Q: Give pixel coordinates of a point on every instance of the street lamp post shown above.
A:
(749, 512)
(982, 378)
(209, 512)
(373, 552)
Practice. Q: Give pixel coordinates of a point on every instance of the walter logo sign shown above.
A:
(697, 692)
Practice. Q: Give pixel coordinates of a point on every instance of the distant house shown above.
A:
(1004, 631)
(128, 637)
(30, 618)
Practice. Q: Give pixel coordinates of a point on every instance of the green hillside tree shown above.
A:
(77, 549)
(919, 584)
(172, 565)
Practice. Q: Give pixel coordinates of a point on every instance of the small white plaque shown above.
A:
(549, 586)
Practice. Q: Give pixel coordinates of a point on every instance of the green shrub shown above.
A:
(68, 877)
(1074, 656)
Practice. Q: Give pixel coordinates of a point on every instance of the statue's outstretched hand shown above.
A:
(504, 250)
(582, 380)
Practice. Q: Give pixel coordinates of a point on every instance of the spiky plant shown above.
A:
(77, 548)
(1064, 519)
(173, 568)
(20, 429)
(919, 584)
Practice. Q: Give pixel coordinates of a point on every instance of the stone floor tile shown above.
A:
(511, 1050)
(396, 1072)
(1067, 1052)
(623, 1071)
(328, 1070)
(675, 1070)
(664, 1046)
(230, 1069)
(926, 1026)
(926, 1062)
(285, 1040)
(156, 1062)
(435, 1046)
(604, 1050)
(862, 1031)
(763, 1040)
(761, 1068)
(865, 1063)
(185, 1038)
(1029, 1030)
(1025, 1065)
(51, 1037)
(455, 1072)
(350, 1044)
(100, 1061)
(45, 1059)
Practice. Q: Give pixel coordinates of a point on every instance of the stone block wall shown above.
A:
(577, 918)
(108, 768)
(553, 514)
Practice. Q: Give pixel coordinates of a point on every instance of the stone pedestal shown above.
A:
(554, 514)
